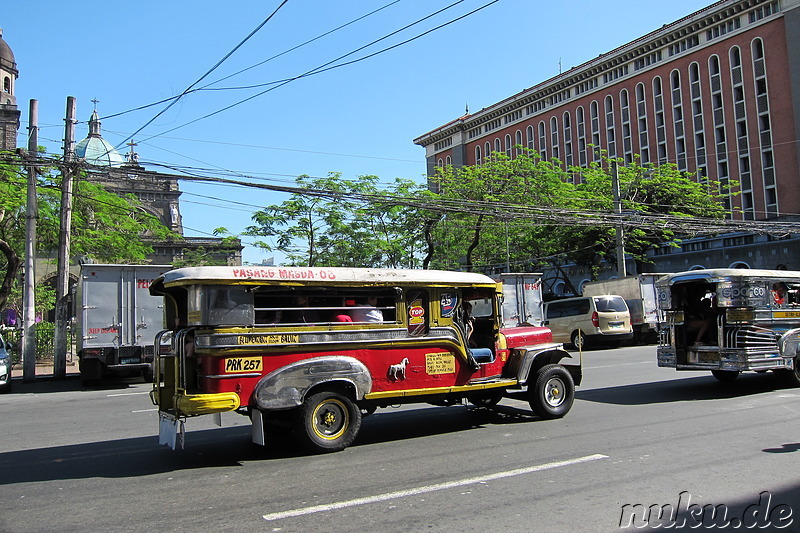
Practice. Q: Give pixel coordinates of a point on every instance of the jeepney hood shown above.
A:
(526, 336)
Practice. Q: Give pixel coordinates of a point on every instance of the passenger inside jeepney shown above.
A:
(697, 303)
(302, 313)
(780, 293)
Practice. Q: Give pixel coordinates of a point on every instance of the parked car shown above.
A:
(5, 365)
(589, 320)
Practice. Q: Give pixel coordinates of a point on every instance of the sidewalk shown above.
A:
(45, 370)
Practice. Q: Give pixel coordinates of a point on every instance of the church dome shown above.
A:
(97, 151)
(7, 60)
(8, 73)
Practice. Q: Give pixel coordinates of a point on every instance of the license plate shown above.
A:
(615, 325)
(129, 360)
(243, 364)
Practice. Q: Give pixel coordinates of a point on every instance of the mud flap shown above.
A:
(257, 433)
(169, 429)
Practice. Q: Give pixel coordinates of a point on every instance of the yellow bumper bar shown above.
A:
(205, 404)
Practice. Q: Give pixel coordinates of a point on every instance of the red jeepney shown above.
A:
(315, 349)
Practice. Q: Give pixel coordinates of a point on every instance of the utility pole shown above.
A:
(62, 281)
(621, 270)
(31, 214)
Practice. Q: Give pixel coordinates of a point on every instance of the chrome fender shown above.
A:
(287, 386)
(551, 353)
(789, 342)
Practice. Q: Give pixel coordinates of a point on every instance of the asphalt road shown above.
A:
(88, 460)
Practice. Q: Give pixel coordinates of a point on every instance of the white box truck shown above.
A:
(640, 294)
(117, 320)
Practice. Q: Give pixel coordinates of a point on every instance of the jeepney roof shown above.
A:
(715, 275)
(261, 275)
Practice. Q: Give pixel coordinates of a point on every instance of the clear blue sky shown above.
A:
(359, 119)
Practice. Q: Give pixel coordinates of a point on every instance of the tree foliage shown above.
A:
(508, 213)
(353, 224)
(105, 227)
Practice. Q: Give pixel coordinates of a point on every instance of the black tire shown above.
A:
(578, 339)
(486, 399)
(5, 389)
(792, 377)
(328, 422)
(552, 394)
(725, 376)
(91, 372)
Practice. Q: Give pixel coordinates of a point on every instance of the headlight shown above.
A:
(4, 366)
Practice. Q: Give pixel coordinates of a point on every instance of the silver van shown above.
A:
(589, 320)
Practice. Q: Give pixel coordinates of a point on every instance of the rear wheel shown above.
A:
(91, 371)
(328, 422)
(553, 392)
(578, 339)
(725, 375)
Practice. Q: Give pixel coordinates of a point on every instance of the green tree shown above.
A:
(334, 222)
(644, 190)
(493, 212)
(105, 226)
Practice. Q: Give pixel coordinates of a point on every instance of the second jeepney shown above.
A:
(729, 321)
(315, 349)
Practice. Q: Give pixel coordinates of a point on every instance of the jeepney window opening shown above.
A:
(481, 332)
(698, 301)
(324, 305)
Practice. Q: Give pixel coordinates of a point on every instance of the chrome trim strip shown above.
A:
(226, 376)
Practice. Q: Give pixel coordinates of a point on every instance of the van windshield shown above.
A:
(612, 304)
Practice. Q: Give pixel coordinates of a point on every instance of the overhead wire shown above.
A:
(322, 68)
(208, 72)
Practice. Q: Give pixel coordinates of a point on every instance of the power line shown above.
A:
(322, 68)
(212, 69)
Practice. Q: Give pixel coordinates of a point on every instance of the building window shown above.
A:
(641, 121)
(677, 120)
(698, 124)
(542, 140)
(720, 141)
(660, 120)
(508, 146)
(497, 146)
(625, 113)
(567, 139)
(555, 145)
(580, 115)
(487, 150)
(518, 142)
(764, 11)
(530, 137)
(611, 141)
(478, 158)
(764, 128)
(742, 134)
(594, 113)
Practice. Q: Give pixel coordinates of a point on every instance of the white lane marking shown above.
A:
(429, 488)
(126, 394)
(145, 410)
(621, 364)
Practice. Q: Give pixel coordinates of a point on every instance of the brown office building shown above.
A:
(716, 92)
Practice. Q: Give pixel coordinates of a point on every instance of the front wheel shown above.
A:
(553, 393)
(328, 422)
(578, 339)
(725, 375)
(792, 376)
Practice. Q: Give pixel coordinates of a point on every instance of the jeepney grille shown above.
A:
(752, 338)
